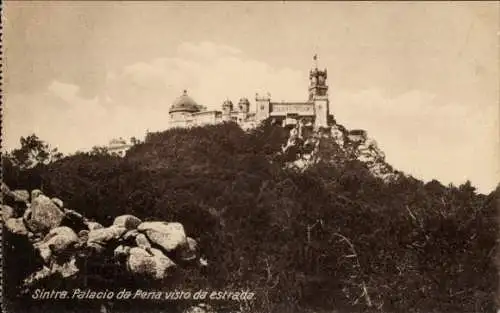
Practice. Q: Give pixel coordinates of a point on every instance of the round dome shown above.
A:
(184, 103)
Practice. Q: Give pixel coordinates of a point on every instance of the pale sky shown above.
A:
(421, 78)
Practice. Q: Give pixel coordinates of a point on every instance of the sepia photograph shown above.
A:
(250, 157)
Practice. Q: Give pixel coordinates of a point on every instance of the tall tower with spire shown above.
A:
(318, 93)
(317, 80)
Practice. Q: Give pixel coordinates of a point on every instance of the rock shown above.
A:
(66, 269)
(57, 241)
(83, 237)
(21, 195)
(128, 221)
(35, 277)
(121, 252)
(103, 235)
(203, 262)
(73, 214)
(200, 308)
(194, 309)
(188, 251)
(27, 215)
(155, 265)
(169, 236)
(96, 248)
(45, 215)
(58, 202)
(16, 226)
(74, 220)
(142, 242)
(35, 193)
(7, 212)
(4, 188)
(130, 235)
(93, 225)
(83, 232)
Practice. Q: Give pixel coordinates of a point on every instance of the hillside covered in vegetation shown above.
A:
(331, 236)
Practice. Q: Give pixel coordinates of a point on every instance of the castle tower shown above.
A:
(263, 107)
(244, 105)
(318, 93)
(227, 108)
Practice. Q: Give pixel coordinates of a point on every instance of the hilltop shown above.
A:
(308, 221)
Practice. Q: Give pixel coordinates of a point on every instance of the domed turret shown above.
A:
(244, 105)
(184, 103)
(227, 106)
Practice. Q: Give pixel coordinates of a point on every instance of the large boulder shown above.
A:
(21, 195)
(121, 252)
(16, 226)
(45, 215)
(7, 212)
(58, 202)
(169, 236)
(35, 193)
(142, 242)
(104, 235)
(152, 265)
(128, 221)
(93, 225)
(58, 241)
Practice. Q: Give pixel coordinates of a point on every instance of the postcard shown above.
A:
(250, 157)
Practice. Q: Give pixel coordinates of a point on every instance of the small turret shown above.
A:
(244, 105)
(227, 106)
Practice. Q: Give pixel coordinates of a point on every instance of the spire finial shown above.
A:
(315, 59)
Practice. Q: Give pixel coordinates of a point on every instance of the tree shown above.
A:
(33, 151)
(97, 150)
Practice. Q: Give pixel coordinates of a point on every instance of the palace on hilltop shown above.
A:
(314, 112)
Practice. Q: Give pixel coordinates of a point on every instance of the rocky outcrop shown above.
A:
(148, 250)
(304, 144)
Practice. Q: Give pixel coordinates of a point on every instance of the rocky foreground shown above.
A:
(147, 250)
